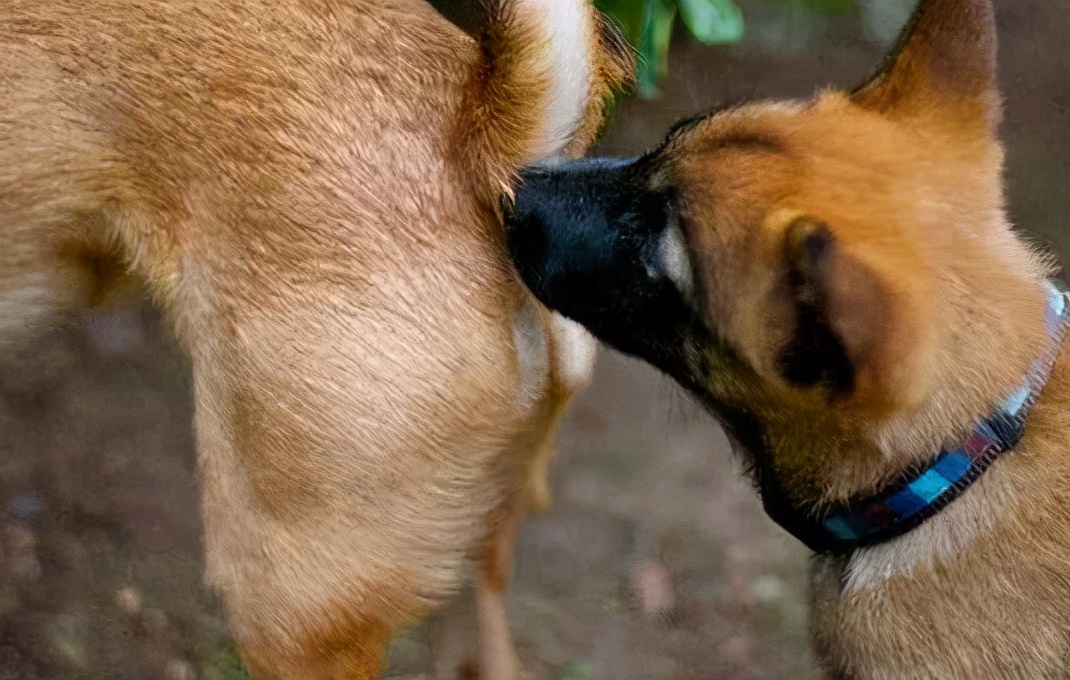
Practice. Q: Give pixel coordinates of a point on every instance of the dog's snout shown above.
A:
(558, 232)
(587, 237)
(527, 236)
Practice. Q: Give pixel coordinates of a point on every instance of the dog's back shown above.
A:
(304, 188)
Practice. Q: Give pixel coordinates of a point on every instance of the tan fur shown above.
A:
(304, 188)
(939, 308)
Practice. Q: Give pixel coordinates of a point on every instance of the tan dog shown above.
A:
(837, 280)
(306, 188)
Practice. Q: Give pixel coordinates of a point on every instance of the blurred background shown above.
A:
(655, 563)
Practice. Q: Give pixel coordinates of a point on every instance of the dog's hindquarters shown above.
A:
(327, 253)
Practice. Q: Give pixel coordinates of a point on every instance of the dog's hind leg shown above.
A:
(538, 93)
(498, 657)
(570, 354)
(473, 637)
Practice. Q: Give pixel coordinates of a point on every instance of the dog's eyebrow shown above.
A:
(685, 125)
(761, 140)
(752, 139)
(727, 105)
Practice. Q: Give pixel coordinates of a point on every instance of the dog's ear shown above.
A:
(852, 335)
(944, 65)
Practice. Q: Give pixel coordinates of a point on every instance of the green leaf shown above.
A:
(712, 22)
(627, 14)
(654, 39)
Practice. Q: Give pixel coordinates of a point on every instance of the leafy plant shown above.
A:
(648, 25)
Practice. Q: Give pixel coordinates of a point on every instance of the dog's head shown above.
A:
(819, 273)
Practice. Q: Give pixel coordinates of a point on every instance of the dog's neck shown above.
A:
(921, 492)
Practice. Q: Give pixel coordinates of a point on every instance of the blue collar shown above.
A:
(925, 490)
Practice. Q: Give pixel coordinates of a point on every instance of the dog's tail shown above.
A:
(538, 89)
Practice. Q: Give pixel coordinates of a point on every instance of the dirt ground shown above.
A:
(655, 563)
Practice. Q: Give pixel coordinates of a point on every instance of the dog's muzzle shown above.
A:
(586, 238)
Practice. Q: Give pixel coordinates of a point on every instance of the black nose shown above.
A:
(527, 225)
(585, 236)
(560, 228)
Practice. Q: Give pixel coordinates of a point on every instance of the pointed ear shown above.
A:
(852, 336)
(944, 63)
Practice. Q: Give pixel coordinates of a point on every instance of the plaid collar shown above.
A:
(925, 490)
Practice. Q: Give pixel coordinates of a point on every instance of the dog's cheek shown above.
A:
(674, 261)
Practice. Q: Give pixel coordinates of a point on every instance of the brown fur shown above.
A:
(302, 187)
(939, 310)
(838, 280)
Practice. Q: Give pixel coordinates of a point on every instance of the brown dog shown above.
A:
(837, 280)
(307, 189)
